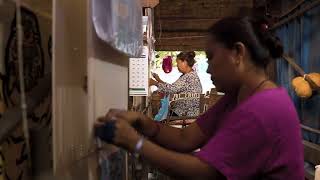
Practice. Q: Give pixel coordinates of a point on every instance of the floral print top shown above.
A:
(187, 83)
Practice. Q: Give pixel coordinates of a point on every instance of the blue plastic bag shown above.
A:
(164, 109)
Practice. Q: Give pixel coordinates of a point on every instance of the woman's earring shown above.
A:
(237, 61)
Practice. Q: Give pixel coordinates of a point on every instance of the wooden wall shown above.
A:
(182, 25)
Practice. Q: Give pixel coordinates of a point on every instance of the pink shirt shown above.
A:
(258, 139)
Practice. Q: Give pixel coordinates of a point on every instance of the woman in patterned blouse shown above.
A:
(188, 82)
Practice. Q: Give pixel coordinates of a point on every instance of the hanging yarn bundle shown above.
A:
(167, 64)
(302, 87)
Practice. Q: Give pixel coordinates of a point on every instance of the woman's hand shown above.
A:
(156, 77)
(132, 117)
(152, 82)
(142, 123)
(123, 134)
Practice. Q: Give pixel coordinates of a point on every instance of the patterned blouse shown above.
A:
(187, 83)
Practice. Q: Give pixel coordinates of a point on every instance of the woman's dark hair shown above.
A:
(187, 56)
(253, 33)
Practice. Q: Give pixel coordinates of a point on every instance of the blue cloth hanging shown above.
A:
(164, 109)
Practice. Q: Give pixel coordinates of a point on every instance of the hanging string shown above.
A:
(21, 78)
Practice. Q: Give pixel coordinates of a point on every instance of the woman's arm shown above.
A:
(156, 76)
(182, 140)
(174, 88)
(173, 163)
(184, 166)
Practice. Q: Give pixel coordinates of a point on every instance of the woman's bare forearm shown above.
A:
(180, 140)
(183, 166)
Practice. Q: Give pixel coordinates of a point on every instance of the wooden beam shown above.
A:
(182, 44)
(179, 48)
(310, 129)
(180, 41)
(160, 35)
(186, 25)
(292, 8)
(311, 152)
(183, 18)
(201, 8)
(176, 22)
(184, 30)
(312, 5)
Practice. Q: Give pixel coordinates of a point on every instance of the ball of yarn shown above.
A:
(167, 64)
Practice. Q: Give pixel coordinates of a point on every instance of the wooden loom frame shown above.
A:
(77, 53)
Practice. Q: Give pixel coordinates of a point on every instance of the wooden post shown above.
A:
(70, 103)
(77, 53)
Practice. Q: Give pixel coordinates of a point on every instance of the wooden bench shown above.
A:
(179, 121)
(206, 100)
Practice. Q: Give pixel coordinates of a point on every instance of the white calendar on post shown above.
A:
(139, 74)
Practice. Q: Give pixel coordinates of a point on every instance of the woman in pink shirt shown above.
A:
(251, 133)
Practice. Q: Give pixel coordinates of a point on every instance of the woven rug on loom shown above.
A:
(14, 152)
